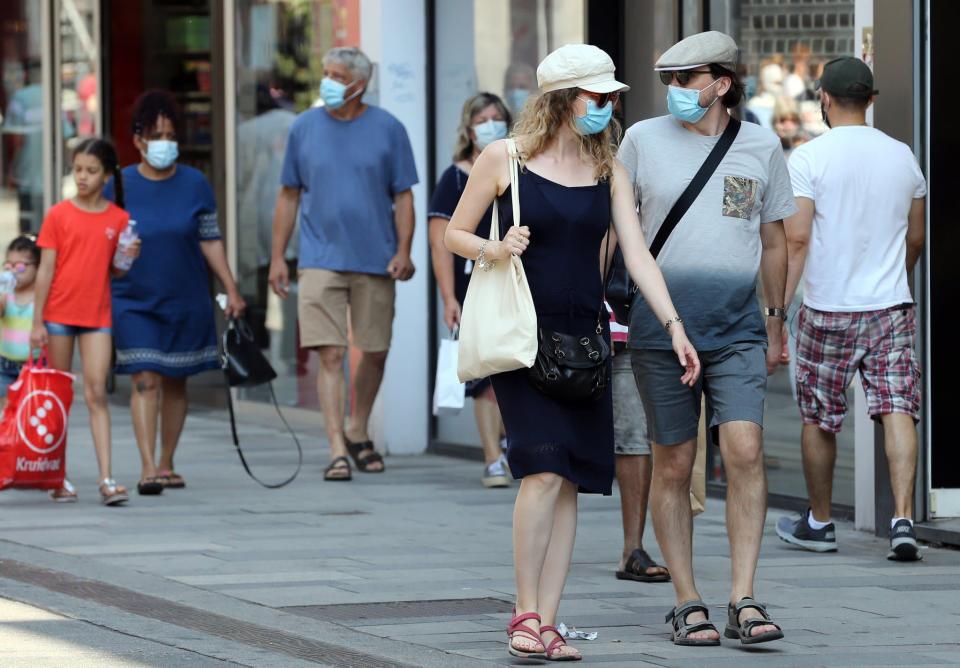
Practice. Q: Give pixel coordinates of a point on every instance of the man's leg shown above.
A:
(900, 444)
(633, 479)
(331, 390)
(673, 520)
(741, 446)
(366, 384)
(819, 449)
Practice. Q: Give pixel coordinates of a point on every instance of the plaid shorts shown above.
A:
(831, 347)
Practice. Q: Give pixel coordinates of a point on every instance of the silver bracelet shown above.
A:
(672, 321)
(482, 261)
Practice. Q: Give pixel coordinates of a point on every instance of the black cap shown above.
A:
(847, 77)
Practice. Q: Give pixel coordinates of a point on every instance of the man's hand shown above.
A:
(401, 267)
(775, 344)
(785, 345)
(279, 278)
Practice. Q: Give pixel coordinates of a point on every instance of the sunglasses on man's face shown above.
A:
(602, 98)
(18, 267)
(683, 77)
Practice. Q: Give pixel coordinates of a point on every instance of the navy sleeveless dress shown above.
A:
(562, 263)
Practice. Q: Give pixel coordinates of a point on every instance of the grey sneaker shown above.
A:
(495, 475)
(797, 531)
(903, 542)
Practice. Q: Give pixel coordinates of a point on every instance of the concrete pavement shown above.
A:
(409, 568)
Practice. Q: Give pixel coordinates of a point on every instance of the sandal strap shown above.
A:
(747, 602)
(678, 616)
(518, 620)
(335, 464)
(639, 562)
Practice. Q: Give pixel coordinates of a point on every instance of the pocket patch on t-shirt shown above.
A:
(739, 196)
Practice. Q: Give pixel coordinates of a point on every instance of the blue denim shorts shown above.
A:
(9, 372)
(56, 329)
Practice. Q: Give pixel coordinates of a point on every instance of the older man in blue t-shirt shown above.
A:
(349, 168)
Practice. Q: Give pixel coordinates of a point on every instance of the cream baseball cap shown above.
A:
(578, 66)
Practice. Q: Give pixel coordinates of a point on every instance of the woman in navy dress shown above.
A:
(484, 119)
(571, 188)
(162, 311)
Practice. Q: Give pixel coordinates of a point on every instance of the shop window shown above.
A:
(807, 21)
(279, 47)
(782, 21)
(794, 21)
(818, 20)
(831, 20)
(768, 21)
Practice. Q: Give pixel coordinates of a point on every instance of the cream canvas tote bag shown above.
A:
(498, 327)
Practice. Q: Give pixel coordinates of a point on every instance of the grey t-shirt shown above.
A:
(711, 259)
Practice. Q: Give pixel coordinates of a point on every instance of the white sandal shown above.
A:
(112, 494)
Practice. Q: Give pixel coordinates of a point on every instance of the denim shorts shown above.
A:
(629, 421)
(9, 372)
(56, 329)
(734, 379)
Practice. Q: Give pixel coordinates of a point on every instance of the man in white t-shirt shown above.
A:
(860, 198)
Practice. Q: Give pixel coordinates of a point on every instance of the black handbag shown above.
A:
(573, 368)
(621, 289)
(244, 365)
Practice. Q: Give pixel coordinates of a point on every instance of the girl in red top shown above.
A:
(72, 303)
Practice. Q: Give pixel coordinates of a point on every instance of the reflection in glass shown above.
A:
(79, 89)
(21, 118)
(280, 44)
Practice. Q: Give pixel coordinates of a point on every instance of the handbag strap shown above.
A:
(513, 160)
(692, 191)
(243, 460)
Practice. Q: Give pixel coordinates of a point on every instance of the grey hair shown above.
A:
(355, 60)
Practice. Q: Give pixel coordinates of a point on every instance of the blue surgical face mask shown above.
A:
(596, 119)
(684, 103)
(516, 98)
(488, 132)
(332, 92)
(161, 153)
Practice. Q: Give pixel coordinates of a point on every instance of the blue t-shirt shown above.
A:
(348, 173)
(173, 216)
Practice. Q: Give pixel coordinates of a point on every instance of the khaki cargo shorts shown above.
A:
(327, 296)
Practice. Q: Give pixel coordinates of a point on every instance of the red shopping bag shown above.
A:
(33, 429)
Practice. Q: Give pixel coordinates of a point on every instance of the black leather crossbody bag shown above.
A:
(573, 368)
(621, 289)
(244, 365)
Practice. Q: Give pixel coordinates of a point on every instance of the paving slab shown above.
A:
(279, 565)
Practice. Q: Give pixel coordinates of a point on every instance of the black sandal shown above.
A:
(638, 563)
(363, 463)
(150, 486)
(735, 630)
(681, 630)
(338, 464)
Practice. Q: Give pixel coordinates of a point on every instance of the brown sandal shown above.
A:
(171, 480)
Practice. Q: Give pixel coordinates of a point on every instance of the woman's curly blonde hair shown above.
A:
(546, 113)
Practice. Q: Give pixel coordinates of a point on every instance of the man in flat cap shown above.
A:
(731, 230)
(860, 199)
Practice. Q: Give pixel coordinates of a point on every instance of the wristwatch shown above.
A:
(775, 312)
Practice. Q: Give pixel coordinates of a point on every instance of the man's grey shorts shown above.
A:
(734, 379)
(629, 420)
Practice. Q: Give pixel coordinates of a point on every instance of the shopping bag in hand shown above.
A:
(449, 392)
(33, 429)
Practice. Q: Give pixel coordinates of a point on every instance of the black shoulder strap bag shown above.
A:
(621, 289)
(244, 365)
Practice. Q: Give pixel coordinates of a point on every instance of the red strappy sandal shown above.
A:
(555, 646)
(516, 627)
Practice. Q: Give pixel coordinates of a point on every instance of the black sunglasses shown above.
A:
(602, 98)
(683, 76)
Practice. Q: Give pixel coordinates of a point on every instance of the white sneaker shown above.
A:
(495, 475)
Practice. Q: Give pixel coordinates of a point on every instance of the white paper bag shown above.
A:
(449, 392)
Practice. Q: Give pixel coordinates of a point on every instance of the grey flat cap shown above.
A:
(704, 48)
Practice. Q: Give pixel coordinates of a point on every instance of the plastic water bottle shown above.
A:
(121, 260)
(8, 282)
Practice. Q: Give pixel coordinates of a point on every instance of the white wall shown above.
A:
(392, 33)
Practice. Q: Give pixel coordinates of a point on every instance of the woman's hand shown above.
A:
(451, 313)
(686, 354)
(515, 242)
(38, 336)
(235, 305)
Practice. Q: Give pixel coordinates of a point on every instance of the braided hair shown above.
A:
(103, 151)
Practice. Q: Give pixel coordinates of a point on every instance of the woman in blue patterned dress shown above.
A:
(162, 311)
